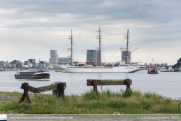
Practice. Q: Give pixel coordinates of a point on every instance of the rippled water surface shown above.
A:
(167, 84)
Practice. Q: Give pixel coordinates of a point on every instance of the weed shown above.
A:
(90, 102)
(92, 95)
(127, 93)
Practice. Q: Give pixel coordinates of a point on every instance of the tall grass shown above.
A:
(107, 102)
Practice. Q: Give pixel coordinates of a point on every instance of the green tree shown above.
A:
(178, 64)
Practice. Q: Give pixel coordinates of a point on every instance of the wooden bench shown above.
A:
(99, 82)
(59, 86)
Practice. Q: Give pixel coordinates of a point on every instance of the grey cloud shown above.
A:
(150, 22)
(150, 11)
(129, 9)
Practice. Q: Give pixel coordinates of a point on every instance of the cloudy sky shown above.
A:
(30, 29)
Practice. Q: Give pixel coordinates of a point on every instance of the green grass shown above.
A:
(106, 102)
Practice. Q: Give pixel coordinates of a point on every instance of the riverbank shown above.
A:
(16, 69)
(90, 103)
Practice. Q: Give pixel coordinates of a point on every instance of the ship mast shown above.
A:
(127, 37)
(71, 49)
(99, 56)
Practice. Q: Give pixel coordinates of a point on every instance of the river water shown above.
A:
(166, 84)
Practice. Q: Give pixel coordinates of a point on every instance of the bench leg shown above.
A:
(60, 87)
(25, 94)
(128, 91)
(95, 86)
(127, 84)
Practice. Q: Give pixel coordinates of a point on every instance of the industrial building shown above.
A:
(64, 60)
(124, 56)
(93, 56)
(32, 61)
(53, 57)
(16, 64)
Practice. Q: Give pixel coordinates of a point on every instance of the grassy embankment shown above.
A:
(90, 103)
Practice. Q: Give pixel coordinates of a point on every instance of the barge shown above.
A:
(28, 74)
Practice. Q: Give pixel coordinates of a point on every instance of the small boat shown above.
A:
(28, 74)
(152, 70)
(170, 69)
(1, 68)
(58, 70)
(163, 69)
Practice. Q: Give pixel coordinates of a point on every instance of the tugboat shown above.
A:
(28, 74)
(152, 70)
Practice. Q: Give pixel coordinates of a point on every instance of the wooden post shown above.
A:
(60, 87)
(95, 86)
(127, 82)
(128, 91)
(25, 95)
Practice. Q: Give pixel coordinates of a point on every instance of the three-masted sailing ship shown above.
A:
(121, 68)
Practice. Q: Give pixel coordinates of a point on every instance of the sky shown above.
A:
(30, 29)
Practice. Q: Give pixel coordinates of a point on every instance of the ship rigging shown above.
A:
(127, 68)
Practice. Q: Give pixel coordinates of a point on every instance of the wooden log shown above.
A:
(43, 89)
(108, 82)
(32, 89)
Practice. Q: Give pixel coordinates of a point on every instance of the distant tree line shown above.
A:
(178, 64)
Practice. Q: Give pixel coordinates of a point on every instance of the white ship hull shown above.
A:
(120, 69)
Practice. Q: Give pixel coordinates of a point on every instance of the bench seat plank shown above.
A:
(108, 82)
